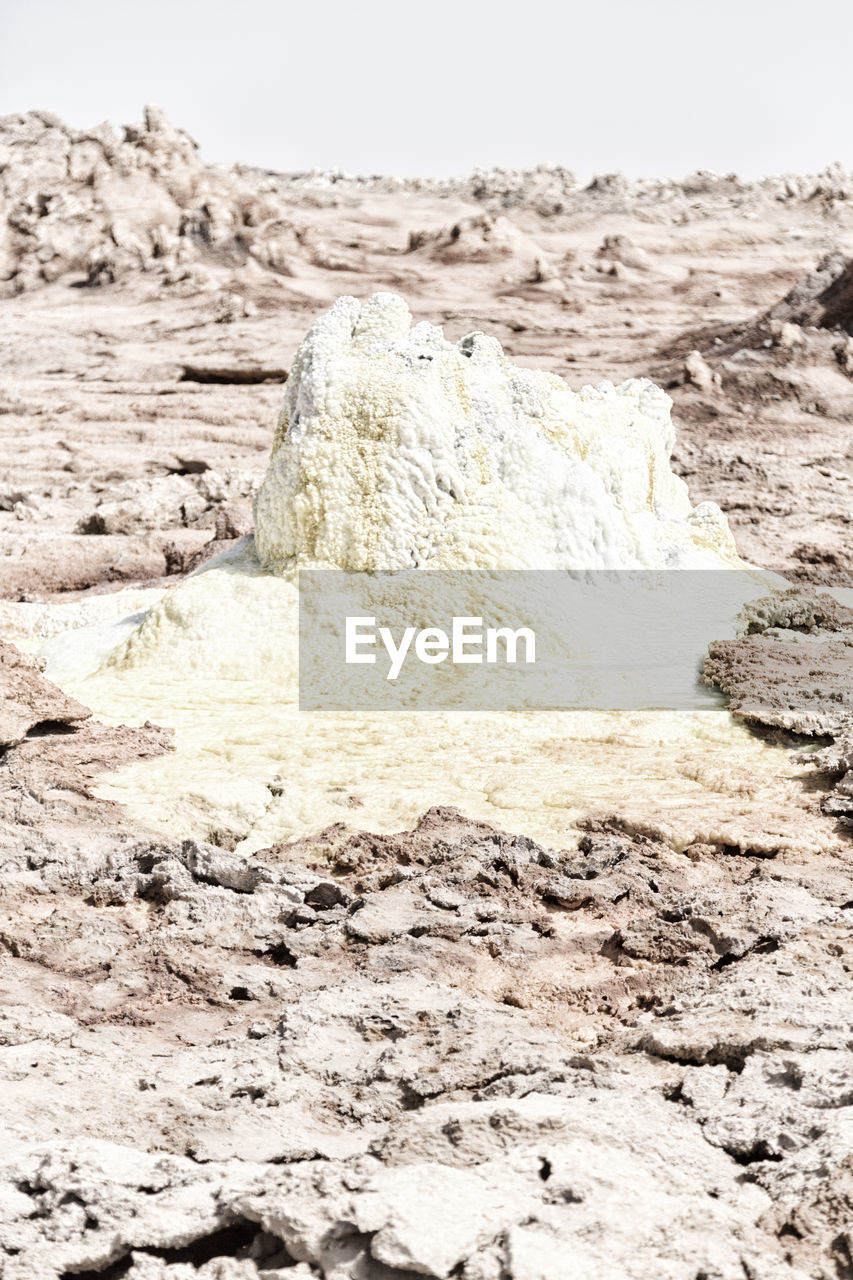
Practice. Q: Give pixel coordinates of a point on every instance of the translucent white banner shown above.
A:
(507, 640)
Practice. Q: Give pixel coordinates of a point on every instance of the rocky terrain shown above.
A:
(152, 306)
(445, 1052)
(449, 1051)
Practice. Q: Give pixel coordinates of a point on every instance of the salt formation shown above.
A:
(397, 449)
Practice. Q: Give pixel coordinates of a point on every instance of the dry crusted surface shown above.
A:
(448, 1052)
(444, 1052)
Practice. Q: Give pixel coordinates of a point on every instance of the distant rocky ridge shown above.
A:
(96, 205)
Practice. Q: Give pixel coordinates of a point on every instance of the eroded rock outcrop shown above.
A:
(794, 670)
(28, 700)
(824, 300)
(90, 202)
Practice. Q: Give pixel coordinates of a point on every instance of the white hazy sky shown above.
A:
(651, 87)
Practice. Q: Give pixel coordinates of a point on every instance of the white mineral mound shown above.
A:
(397, 449)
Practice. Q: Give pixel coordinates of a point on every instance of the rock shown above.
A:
(232, 306)
(140, 505)
(791, 336)
(699, 373)
(795, 670)
(103, 208)
(28, 700)
(401, 1207)
(483, 238)
(622, 249)
(379, 1081)
(179, 500)
(844, 356)
(824, 299)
